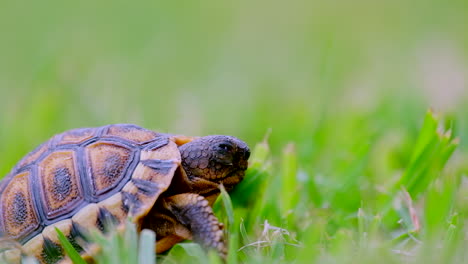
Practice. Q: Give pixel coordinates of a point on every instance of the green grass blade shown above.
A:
(69, 249)
(429, 156)
(131, 239)
(214, 258)
(185, 253)
(439, 203)
(289, 183)
(362, 234)
(260, 154)
(426, 135)
(146, 254)
(229, 210)
(232, 248)
(431, 152)
(243, 232)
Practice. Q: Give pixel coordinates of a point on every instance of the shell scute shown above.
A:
(114, 206)
(147, 188)
(87, 216)
(139, 200)
(60, 183)
(76, 136)
(33, 155)
(18, 211)
(132, 133)
(108, 164)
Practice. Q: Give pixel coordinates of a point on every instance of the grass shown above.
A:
(274, 216)
(348, 164)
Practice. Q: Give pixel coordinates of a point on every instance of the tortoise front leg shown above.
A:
(194, 213)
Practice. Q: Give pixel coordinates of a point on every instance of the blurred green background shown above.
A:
(348, 83)
(240, 67)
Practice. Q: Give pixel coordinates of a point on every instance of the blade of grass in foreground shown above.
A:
(231, 228)
(131, 240)
(186, 253)
(226, 200)
(289, 180)
(146, 253)
(69, 249)
(432, 150)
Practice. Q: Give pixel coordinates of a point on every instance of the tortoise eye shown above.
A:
(224, 153)
(225, 147)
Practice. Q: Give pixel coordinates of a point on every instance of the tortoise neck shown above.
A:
(183, 183)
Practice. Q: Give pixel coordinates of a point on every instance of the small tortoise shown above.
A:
(81, 179)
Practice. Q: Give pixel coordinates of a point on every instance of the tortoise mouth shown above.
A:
(229, 182)
(232, 178)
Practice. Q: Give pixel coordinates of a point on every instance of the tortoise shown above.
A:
(84, 178)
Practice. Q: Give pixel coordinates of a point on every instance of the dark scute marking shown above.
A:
(113, 167)
(161, 166)
(75, 244)
(105, 220)
(51, 252)
(62, 185)
(148, 188)
(157, 143)
(19, 210)
(78, 232)
(130, 202)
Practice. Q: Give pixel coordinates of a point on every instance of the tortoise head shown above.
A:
(218, 159)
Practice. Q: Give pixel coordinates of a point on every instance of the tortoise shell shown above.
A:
(80, 179)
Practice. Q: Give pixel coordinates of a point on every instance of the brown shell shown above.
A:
(80, 179)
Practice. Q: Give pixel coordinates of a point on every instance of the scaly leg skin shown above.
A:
(194, 212)
(168, 231)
